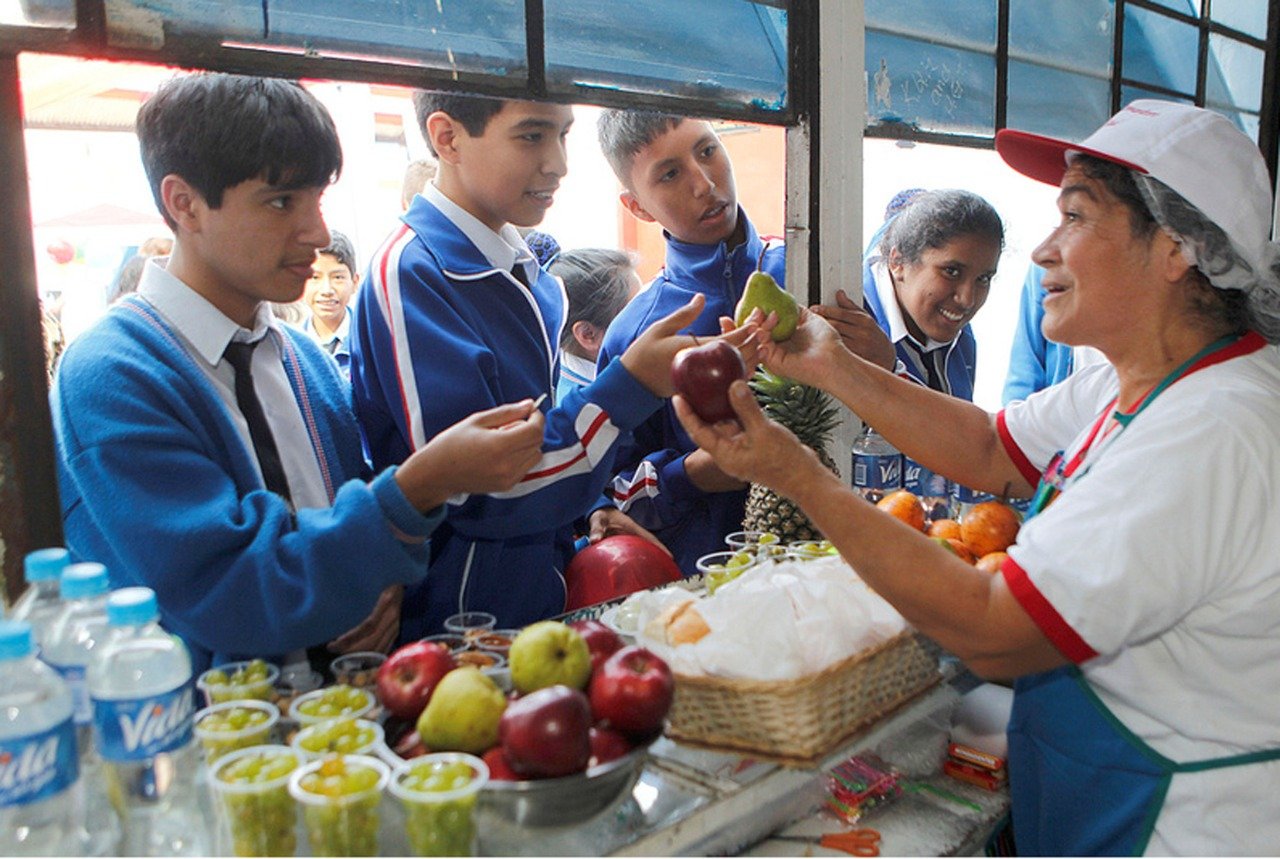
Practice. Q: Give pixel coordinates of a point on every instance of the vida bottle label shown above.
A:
(37, 767)
(141, 728)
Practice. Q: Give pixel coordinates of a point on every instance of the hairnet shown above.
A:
(1221, 260)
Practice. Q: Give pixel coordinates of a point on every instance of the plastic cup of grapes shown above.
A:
(439, 793)
(763, 544)
(470, 624)
(720, 568)
(339, 796)
(358, 669)
(232, 725)
(331, 702)
(252, 790)
(342, 736)
(811, 550)
(236, 681)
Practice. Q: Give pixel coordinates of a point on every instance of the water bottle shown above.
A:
(877, 465)
(143, 707)
(38, 766)
(965, 499)
(72, 639)
(41, 601)
(933, 490)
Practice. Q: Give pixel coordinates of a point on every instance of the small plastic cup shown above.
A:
(338, 822)
(497, 640)
(343, 736)
(485, 660)
(439, 799)
(470, 624)
(454, 641)
(358, 669)
(231, 725)
(236, 686)
(811, 550)
(255, 806)
(314, 707)
(761, 543)
(720, 568)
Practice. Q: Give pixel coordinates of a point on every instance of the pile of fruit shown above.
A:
(980, 537)
(580, 698)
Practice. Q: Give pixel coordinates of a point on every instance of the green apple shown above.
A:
(463, 713)
(549, 653)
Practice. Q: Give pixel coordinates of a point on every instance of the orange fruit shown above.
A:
(957, 548)
(990, 527)
(902, 504)
(944, 528)
(990, 563)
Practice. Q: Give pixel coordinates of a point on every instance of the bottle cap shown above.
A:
(131, 607)
(15, 639)
(44, 564)
(83, 580)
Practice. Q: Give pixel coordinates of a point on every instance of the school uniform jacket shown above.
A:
(651, 484)
(440, 334)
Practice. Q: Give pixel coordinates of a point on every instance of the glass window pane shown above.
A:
(731, 50)
(1072, 34)
(43, 13)
(1235, 73)
(931, 87)
(1132, 93)
(1247, 16)
(1187, 7)
(1056, 103)
(478, 36)
(1159, 50)
(932, 65)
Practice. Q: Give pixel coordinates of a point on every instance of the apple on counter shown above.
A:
(408, 677)
(607, 745)
(632, 692)
(602, 642)
(546, 733)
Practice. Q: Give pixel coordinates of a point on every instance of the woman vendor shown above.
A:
(1139, 610)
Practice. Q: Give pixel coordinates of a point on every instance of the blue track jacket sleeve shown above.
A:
(1027, 368)
(429, 352)
(155, 484)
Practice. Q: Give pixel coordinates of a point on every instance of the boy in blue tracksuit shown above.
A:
(455, 315)
(675, 172)
(210, 453)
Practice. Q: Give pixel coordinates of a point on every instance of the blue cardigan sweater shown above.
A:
(157, 484)
(440, 334)
(651, 484)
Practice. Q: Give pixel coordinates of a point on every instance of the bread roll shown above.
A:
(678, 624)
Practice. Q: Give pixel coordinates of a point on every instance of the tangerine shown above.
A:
(902, 504)
(990, 527)
(944, 528)
(957, 548)
(990, 563)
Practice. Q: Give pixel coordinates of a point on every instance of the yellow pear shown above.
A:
(762, 291)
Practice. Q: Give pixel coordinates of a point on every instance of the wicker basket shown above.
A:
(798, 720)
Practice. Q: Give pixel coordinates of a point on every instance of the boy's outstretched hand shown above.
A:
(649, 358)
(759, 451)
(488, 451)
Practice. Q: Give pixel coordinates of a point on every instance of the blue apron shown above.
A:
(1082, 783)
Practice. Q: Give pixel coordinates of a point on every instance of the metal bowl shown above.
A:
(565, 800)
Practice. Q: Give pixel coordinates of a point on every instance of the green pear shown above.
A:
(763, 292)
(463, 713)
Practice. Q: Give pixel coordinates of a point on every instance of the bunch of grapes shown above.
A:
(261, 813)
(345, 736)
(248, 680)
(227, 727)
(439, 827)
(331, 703)
(345, 822)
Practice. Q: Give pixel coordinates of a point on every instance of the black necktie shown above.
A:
(518, 272)
(928, 358)
(240, 356)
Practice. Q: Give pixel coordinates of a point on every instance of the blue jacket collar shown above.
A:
(708, 264)
(453, 252)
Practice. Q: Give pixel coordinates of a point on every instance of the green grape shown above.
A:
(261, 822)
(223, 731)
(347, 824)
(345, 736)
(440, 828)
(251, 680)
(336, 701)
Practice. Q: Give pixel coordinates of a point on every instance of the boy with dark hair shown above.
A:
(675, 172)
(209, 453)
(333, 282)
(456, 314)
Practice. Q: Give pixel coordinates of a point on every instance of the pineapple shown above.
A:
(811, 415)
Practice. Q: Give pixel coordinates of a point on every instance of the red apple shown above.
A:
(607, 745)
(602, 641)
(546, 733)
(409, 745)
(632, 692)
(61, 251)
(614, 567)
(702, 375)
(499, 769)
(409, 676)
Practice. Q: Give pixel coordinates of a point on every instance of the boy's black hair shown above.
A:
(597, 281)
(934, 218)
(623, 133)
(341, 249)
(218, 130)
(472, 110)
